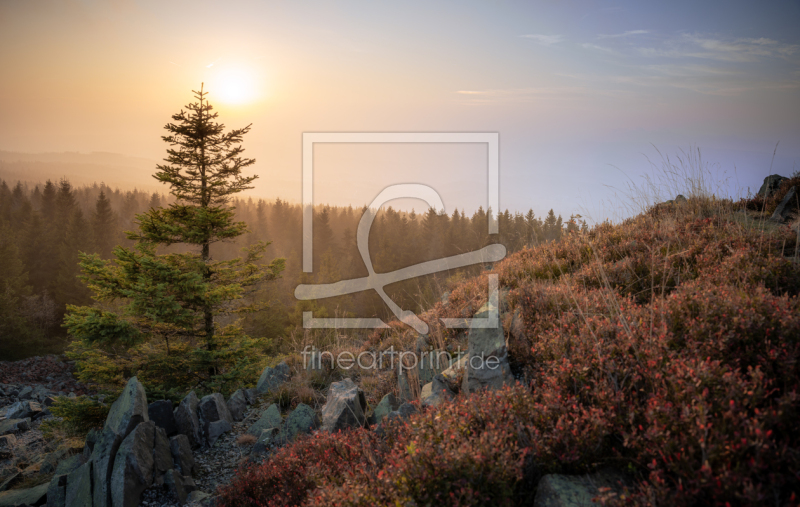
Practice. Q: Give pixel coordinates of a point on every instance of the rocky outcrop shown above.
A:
(270, 418)
(187, 421)
(771, 184)
(8, 426)
(182, 456)
(161, 413)
(388, 404)
(435, 392)
(237, 405)
(20, 497)
(162, 454)
(272, 378)
(487, 366)
(787, 206)
(79, 490)
(133, 466)
(57, 491)
(302, 420)
(346, 406)
(24, 409)
(179, 485)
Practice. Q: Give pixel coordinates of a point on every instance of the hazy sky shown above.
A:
(578, 90)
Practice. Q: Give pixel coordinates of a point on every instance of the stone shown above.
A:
(179, 485)
(198, 496)
(272, 378)
(302, 420)
(436, 392)
(103, 454)
(771, 184)
(11, 481)
(431, 363)
(251, 395)
(454, 375)
(161, 413)
(216, 429)
(212, 408)
(404, 387)
(405, 410)
(237, 405)
(53, 459)
(487, 366)
(8, 441)
(265, 441)
(9, 426)
(270, 418)
(133, 466)
(187, 421)
(570, 490)
(57, 491)
(129, 410)
(787, 206)
(388, 404)
(91, 438)
(69, 465)
(182, 456)
(162, 453)
(680, 198)
(25, 393)
(79, 487)
(346, 406)
(19, 497)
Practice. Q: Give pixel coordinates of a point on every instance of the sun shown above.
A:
(234, 86)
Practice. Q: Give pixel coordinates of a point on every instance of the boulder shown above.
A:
(405, 410)
(212, 409)
(8, 441)
(215, 430)
(23, 409)
(162, 455)
(435, 392)
(388, 404)
(57, 491)
(454, 375)
(91, 439)
(79, 487)
(182, 456)
(179, 485)
(21, 497)
(346, 406)
(187, 421)
(404, 383)
(431, 363)
(272, 378)
(25, 393)
(129, 410)
(11, 481)
(265, 441)
(487, 366)
(198, 496)
(270, 418)
(9, 426)
(133, 466)
(161, 413)
(102, 459)
(237, 405)
(787, 206)
(302, 419)
(569, 490)
(680, 198)
(69, 465)
(251, 395)
(771, 184)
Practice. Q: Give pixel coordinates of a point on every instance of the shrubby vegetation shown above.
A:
(667, 346)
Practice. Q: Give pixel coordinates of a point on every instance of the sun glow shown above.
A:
(234, 86)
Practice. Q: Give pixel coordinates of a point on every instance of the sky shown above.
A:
(583, 94)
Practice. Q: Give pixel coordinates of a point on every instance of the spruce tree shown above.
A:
(179, 297)
(104, 223)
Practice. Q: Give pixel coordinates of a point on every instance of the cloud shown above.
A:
(623, 34)
(727, 50)
(588, 45)
(545, 40)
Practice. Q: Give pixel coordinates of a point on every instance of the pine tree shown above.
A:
(178, 296)
(104, 223)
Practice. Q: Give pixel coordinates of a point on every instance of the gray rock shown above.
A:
(216, 429)
(179, 485)
(302, 420)
(198, 496)
(787, 206)
(405, 410)
(11, 481)
(487, 366)
(453, 376)
(8, 441)
(272, 378)
(237, 405)
(25, 393)
(771, 184)
(19, 497)
(57, 491)
(265, 441)
(52, 460)
(187, 421)
(212, 408)
(568, 490)
(162, 455)
(182, 456)
(404, 383)
(91, 439)
(251, 395)
(346, 406)
(161, 413)
(79, 487)
(436, 392)
(388, 404)
(69, 465)
(431, 363)
(9, 426)
(129, 410)
(103, 454)
(133, 466)
(680, 198)
(270, 418)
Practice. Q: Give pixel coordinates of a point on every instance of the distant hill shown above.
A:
(80, 168)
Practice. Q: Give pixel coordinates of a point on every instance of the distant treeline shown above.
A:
(43, 229)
